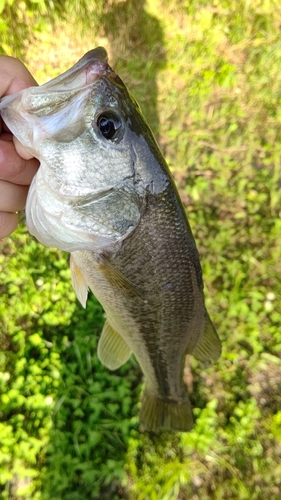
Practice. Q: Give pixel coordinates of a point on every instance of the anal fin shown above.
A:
(112, 348)
(78, 282)
(208, 348)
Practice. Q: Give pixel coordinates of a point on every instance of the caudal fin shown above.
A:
(157, 414)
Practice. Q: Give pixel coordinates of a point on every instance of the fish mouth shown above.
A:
(59, 104)
(75, 81)
(92, 65)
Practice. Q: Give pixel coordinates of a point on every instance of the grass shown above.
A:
(208, 79)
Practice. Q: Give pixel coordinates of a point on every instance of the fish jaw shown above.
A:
(46, 216)
(81, 223)
(27, 113)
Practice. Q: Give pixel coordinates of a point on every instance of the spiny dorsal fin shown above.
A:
(208, 348)
(78, 282)
(112, 348)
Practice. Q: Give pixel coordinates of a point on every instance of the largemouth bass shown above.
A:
(104, 193)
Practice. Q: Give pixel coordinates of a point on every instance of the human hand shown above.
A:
(17, 166)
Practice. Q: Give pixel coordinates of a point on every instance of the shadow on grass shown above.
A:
(94, 416)
(137, 51)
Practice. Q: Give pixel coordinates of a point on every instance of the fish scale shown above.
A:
(104, 193)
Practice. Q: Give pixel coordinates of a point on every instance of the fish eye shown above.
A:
(109, 125)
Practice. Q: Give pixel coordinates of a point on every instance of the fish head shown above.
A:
(97, 156)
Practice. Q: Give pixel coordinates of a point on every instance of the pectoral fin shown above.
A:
(117, 279)
(112, 348)
(78, 282)
(208, 348)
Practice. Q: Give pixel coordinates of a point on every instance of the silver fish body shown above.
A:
(104, 193)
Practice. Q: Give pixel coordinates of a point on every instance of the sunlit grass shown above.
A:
(208, 79)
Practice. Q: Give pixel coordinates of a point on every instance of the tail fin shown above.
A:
(157, 414)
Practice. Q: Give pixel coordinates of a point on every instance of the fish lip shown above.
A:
(89, 68)
(77, 79)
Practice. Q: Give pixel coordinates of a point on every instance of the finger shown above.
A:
(7, 136)
(8, 223)
(14, 76)
(19, 147)
(21, 150)
(12, 197)
(13, 167)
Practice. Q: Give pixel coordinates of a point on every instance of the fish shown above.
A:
(105, 194)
